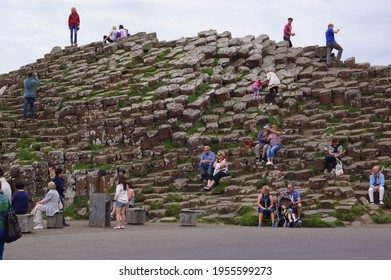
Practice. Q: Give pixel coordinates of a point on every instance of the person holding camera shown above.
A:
(288, 32)
(332, 44)
(29, 94)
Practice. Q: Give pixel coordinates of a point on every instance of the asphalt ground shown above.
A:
(170, 241)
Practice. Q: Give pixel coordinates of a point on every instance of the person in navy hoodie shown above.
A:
(20, 199)
(60, 187)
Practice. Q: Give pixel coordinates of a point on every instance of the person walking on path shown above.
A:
(332, 44)
(29, 94)
(74, 25)
(288, 32)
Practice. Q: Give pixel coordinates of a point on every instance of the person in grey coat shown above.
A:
(49, 205)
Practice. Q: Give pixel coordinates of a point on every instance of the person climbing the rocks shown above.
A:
(257, 87)
(273, 86)
(332, 44)
(74, 25)
(29, 94)
(288, 32)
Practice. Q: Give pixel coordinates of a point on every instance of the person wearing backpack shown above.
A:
(334, 152)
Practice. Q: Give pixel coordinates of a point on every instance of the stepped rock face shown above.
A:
(146, 108)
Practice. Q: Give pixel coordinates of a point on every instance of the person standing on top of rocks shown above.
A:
(206, 162)
(274, 144)
(332, 44)
(376, 184)
(29, 94)
(273, 86)
(257, 87)
(288, 32)
(263, 143)
(74, 25)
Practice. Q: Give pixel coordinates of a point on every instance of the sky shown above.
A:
(32, 28)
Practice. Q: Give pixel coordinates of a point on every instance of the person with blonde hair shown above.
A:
(74, 25)
(265, 204)
(220, 170)
(49, 205)
(112, 37)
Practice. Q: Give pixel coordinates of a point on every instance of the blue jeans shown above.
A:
(73, 29)
(27, 101)
(2, 241)
(271, 150)
(208, 166)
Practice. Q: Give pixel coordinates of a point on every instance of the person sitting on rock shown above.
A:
(206, 162)
(20, 199)
(376, 184)
(220, 170)
(334, 152)
(274, 144)
(123, 32)
(263, 143)
(49, 205)
(265, 204)
(273, 86)
(257, 86)
(295, 199)
(112, 37)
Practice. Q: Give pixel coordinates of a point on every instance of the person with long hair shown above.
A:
(121, 202)
(265, 204)
(220, 170)
(4, 208)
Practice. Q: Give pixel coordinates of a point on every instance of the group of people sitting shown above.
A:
(216, 166)
(114, 35)
(291, 212)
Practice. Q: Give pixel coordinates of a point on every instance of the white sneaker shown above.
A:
(116, 227)
(269, 163)
(38, 227)
(325, 172)
(381, 202)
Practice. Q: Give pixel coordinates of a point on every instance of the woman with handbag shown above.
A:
(49, 205)
(334, 153)
(4, 208)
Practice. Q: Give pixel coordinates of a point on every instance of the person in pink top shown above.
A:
(288, 32)
(257, 87)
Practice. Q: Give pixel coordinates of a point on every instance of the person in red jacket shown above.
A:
(74, 25)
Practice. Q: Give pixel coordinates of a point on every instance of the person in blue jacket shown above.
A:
(60, 187)
(29, 94)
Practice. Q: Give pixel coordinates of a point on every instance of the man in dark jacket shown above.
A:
(60, 187)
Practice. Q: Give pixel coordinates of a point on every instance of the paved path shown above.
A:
(170, 241)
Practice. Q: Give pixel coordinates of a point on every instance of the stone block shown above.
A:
(55, 221)
(26, 222)
(99, 210)
(188, 217)
(136, 216)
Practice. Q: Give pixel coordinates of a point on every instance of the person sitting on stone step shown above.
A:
(263, 143)
(274, 144)
(49, 205)
(376, 184)
(206, 162)
(334, 152)
(294, 195)
(20, 199)
(265, 204)
(112, 37)
(220, 170)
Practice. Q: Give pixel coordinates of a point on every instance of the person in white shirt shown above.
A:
(123, 31)
(121, 202)
(112, 37)
(6, 188)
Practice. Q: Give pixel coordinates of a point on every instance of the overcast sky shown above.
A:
(31, 29)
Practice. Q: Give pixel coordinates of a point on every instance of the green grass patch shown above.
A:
(147, 190)
(329, 130)
(351, 109)
(28, 154)
(381, 219)
(245, 210)
(201, 90)
(351, 215)
(220, 187)
(161, 57)
(78, 203)
(261, 183)
(138, 197)
(249, 219)
(208, 71)
(211, 108)
(316, 222)
(195, 128)
(326, 107)
(335, 120)
(173, 198)
(174, 210)
(168, 145)
(5, 107)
